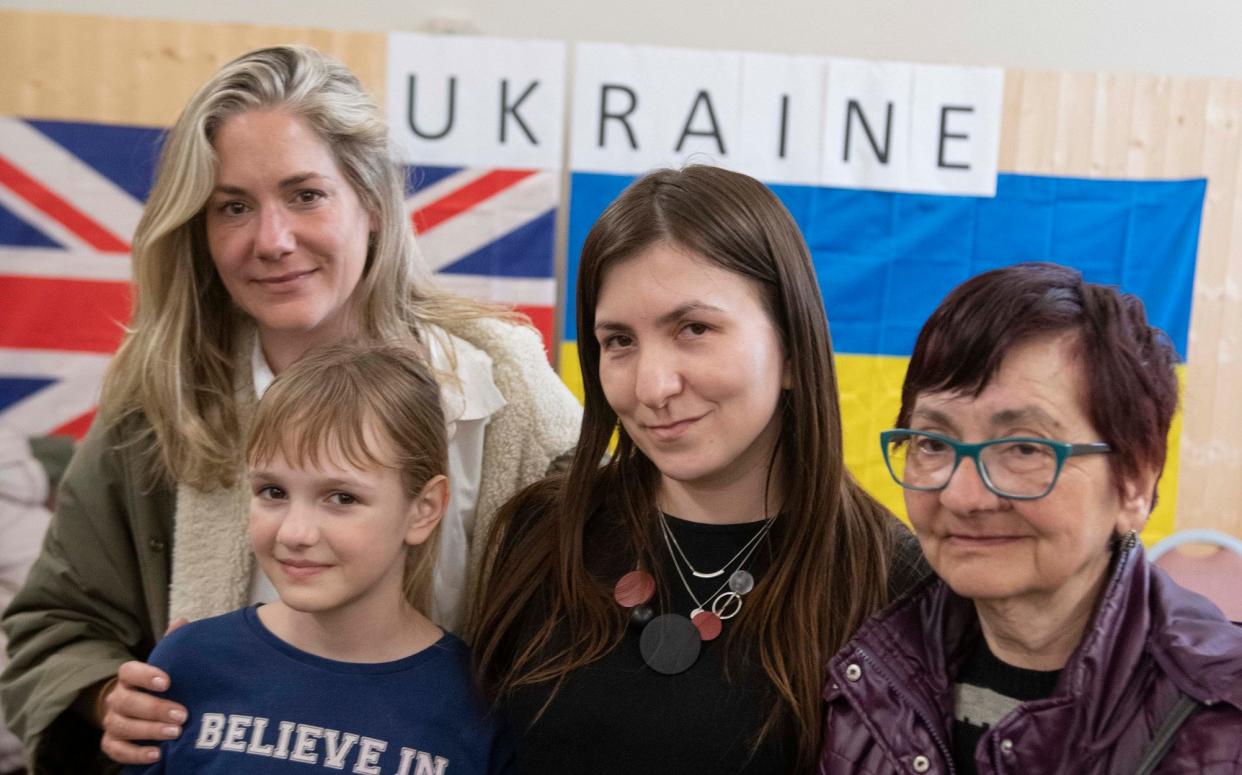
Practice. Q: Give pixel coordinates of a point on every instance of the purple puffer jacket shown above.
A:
(889, 692)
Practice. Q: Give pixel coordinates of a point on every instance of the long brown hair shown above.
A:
(830, 558)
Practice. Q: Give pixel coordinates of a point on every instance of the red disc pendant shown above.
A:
(708, 624)
(634, 588)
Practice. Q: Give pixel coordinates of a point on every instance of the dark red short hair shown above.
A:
(1128, 364)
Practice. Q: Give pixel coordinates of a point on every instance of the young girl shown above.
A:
(347, 461)
(672, 611)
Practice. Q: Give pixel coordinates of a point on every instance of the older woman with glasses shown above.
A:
(1033, 427)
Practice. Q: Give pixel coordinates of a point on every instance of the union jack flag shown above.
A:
(71, 195)
(490, 234)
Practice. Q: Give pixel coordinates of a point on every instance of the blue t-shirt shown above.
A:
(257, 704)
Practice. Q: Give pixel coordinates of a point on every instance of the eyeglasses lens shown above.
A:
(1022, 469)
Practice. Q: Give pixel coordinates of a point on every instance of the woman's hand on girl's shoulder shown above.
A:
(130, 714)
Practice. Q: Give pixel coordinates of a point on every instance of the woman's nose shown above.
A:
(966, 492)
(274, 239)
(659, 376)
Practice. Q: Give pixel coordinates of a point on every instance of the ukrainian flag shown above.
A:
(885, 260)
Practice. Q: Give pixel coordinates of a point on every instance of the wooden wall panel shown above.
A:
(1130, 126)
(1115, 98)
(143, 71)
(1149, 119)
(1074, 139)
(1212, 468)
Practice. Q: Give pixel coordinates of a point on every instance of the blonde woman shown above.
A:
(276, 224)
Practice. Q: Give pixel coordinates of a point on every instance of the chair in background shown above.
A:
(1217, 576)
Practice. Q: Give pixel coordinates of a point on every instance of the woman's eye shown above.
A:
(617, 340)
(696, 329)
(930, 446)
(270, 492)
(309, 196)
(342, 499)
(1020, 449)
(233, 208)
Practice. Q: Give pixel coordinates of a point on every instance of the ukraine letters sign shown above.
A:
(820, 121)
(479, 102)
(480, 124)
(787, 119)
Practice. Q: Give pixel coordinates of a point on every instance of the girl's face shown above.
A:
(692, 364)
(287, 233)
(333, 536)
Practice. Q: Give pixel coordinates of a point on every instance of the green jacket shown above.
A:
(98, 595)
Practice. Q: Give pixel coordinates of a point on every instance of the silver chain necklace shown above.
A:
(669, 537)
(725, 605)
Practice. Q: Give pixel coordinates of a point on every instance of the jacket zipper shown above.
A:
(931, 728)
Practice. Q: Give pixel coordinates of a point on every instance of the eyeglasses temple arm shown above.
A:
(1092, 448)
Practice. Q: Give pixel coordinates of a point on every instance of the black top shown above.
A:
(619, 716)
(985, 691)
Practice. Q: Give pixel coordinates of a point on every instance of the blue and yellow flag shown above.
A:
(885, 260)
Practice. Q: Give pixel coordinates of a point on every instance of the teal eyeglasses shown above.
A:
(1017, 468)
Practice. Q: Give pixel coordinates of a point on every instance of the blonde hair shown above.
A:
(177, 364)
(324, 404)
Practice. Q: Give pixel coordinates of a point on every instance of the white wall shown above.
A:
(1199, 37)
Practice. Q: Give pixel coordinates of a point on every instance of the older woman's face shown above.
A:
(988, 547)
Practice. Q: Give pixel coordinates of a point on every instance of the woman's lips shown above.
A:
(285, 281)
(981, 541)
(673, 430)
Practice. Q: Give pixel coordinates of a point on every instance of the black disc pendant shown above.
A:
(670, 644)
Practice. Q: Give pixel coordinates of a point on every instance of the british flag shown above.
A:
(71, 195)
(490, 234)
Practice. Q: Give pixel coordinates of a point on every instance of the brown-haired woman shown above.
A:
(672, 610)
